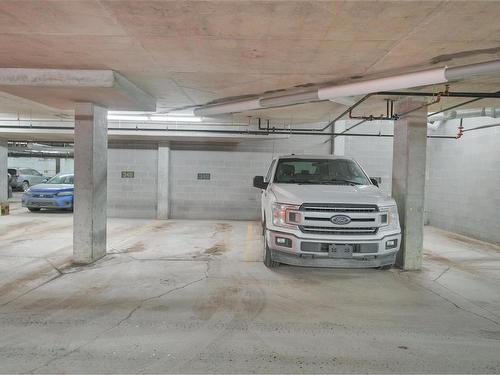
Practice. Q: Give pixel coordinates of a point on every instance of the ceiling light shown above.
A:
(176, 118)
(152, 118)
(127, 117)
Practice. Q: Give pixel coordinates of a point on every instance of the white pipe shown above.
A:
(467, 113)
(231, 107)
(434, 125)
(472, 70)
(400, 81)
(278, 101)
(435, 121)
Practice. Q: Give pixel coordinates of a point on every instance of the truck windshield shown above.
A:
(320, 171)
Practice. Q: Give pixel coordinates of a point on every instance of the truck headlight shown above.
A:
(286, 215)
(64, 193)
(389, 219)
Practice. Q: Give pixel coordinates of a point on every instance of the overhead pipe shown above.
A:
(482, 127)
(401, 81)
(219, 131)
(332, 92)
(231, 107)
(465, 71)
(436, 120)
(467, 113)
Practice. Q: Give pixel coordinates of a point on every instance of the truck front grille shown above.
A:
(365, 219)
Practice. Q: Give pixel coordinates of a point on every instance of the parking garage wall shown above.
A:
(228, 194)
(374, 154)
(462, 187)
(46, 166)
(132, 195)
(462, 191)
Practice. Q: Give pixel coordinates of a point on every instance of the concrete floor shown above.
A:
(193, 296)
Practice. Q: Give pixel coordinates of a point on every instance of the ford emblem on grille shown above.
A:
(340, 219)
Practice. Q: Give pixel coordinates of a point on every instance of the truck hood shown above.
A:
(363, 194)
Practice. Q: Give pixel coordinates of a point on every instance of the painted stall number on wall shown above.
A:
(203, 176)
(127, 174)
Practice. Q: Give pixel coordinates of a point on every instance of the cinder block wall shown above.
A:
(463, 181)
(229, 193)
(132, 197)
(374, 154)
(46, 166)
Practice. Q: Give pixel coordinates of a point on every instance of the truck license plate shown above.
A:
(339, 251)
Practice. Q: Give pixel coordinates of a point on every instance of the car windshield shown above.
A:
(320, 171)
(61, 179)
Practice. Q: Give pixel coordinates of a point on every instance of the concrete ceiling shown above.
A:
(188, 52)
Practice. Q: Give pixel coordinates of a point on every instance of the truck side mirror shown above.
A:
(258, 182)
(374, 181)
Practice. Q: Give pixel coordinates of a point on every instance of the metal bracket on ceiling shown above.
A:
(391, 116)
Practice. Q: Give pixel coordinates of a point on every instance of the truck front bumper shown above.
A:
(369, 252)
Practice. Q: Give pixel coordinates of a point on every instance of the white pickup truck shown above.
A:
(324, 211)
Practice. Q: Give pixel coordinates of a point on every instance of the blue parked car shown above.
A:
(56, 193)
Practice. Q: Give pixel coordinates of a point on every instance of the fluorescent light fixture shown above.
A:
(152, 118)
(128, 117)
(176, 118)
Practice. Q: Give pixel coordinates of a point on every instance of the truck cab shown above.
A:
(324, 211)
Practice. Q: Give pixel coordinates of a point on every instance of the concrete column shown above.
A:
(3, 171)
(408, 180)
(58, 165)
(91, 155)
(332, 140)
(163, 196)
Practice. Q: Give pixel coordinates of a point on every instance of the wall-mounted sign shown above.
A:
(203, 176)
(127, 174)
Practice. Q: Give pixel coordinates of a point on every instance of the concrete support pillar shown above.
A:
(58, 165)
(408, 180)
(91, 156)
(332, 140)
(3, 171)
(163, 195)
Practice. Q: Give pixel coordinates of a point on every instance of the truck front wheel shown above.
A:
(268, 261)
(386, 267)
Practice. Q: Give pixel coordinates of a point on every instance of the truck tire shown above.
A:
(34, 209)
(268, 262)
(386, 267)
(25, 185)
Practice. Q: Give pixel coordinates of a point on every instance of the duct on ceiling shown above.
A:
(332, 92)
